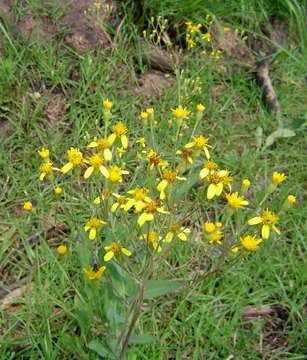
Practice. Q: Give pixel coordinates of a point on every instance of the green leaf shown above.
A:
(259, 136)
(280, 133)
(155, 288)
(100, 349)
(142, 339)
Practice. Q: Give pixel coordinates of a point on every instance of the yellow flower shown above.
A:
(206, 37)
(94, 272)
(291, 199)
(278, 178)
(246, 184)
(92, 226)
(121, 151)
(268, 220)
(180, 112)
(121, 201)
(226, 29)
(193, 28)
(210, 227)
(169, 177)
(190, 42)
(153, 239)
(46, 169)
(234, 249)
(104, 146)
(75, 159)
(139, 201)
(116, 174)
(119, 131)
(96, 164)
(216, 54)
(200, 108)
(200, 143)
(28, 206)
(62, 249)
(209, 166)
(107, 104)
(187, 154)
(235, 201)
(216, 237)
(177, 231)
(250, 243)
(43, 153)
(141, 141)
(115, 249)
(105, 194)
(58, 191)
(153, 158)
(149, 212)
(144, 115)
(216, 184)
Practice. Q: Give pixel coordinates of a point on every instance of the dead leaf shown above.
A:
(14, 296)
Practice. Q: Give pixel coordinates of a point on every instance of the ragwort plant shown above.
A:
(130, 210)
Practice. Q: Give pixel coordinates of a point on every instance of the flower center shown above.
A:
(269, 218)
(96, 161)
(214, 178)
(121, 200)
(94, 223)
(175, 228)
(46, 167)
(116, 248)
(152, 207)
(210, 165)
(119, 129)
(140, 194)
(75, 156)
(200, 142)
(170, 176)
(187, 153)
(103, 144)
(115, 174)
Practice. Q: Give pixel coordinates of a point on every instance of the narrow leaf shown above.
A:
(155, 288)
(142, 339)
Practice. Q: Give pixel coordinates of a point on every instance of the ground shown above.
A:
(57, 63)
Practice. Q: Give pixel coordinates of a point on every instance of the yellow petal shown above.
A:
(276, 229)
(67, 167)
(107, 154)
(203, 173)
(86, 228)
(169, 237)
(189, 145)
(88, 172)
(97, 200)
(207, 153)
(219, 189)
(126, 252)
(182, 236)
(104, 171)
(162, 195)
(111, 138)
(108, 256)
(129, 204)
(255, 220)
(114, 207)
(139, 206)
(211, 191)
(124, 141)
(162, 185)
(265, 231)
(144, 218)
(92, 234)
(42, 176)
(93, 144)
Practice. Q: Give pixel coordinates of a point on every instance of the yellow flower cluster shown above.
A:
(140, 191)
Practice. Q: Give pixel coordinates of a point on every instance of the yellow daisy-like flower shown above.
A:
(62, 249)
(46, 169)
(107, 104)
(119, 132)
(278, 178)
(246, 184)
(115, 249)
(153, 239)
(216, 237)
(268, 220)
(216, 184)
(96, 164)
(28, 206)
(43, 153)
(200, 143)
(206, 37)
(116, 174)
(291, 199)
(92, 226)
(190, 42)
(200, 108)
(180, 113)
(209, 166)
(58, 191)
(144, 115)
(103, 145)
(169, 177)
(141, 141)
(250, 243)
(153, 158)
(177, 231)
(139, 201)
(235, 201)
(120, 202)
(187, 155)
(94, 272)
(210, 227)
(149, 212)
(75, 159)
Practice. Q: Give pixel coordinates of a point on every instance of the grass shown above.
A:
(205, 320)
